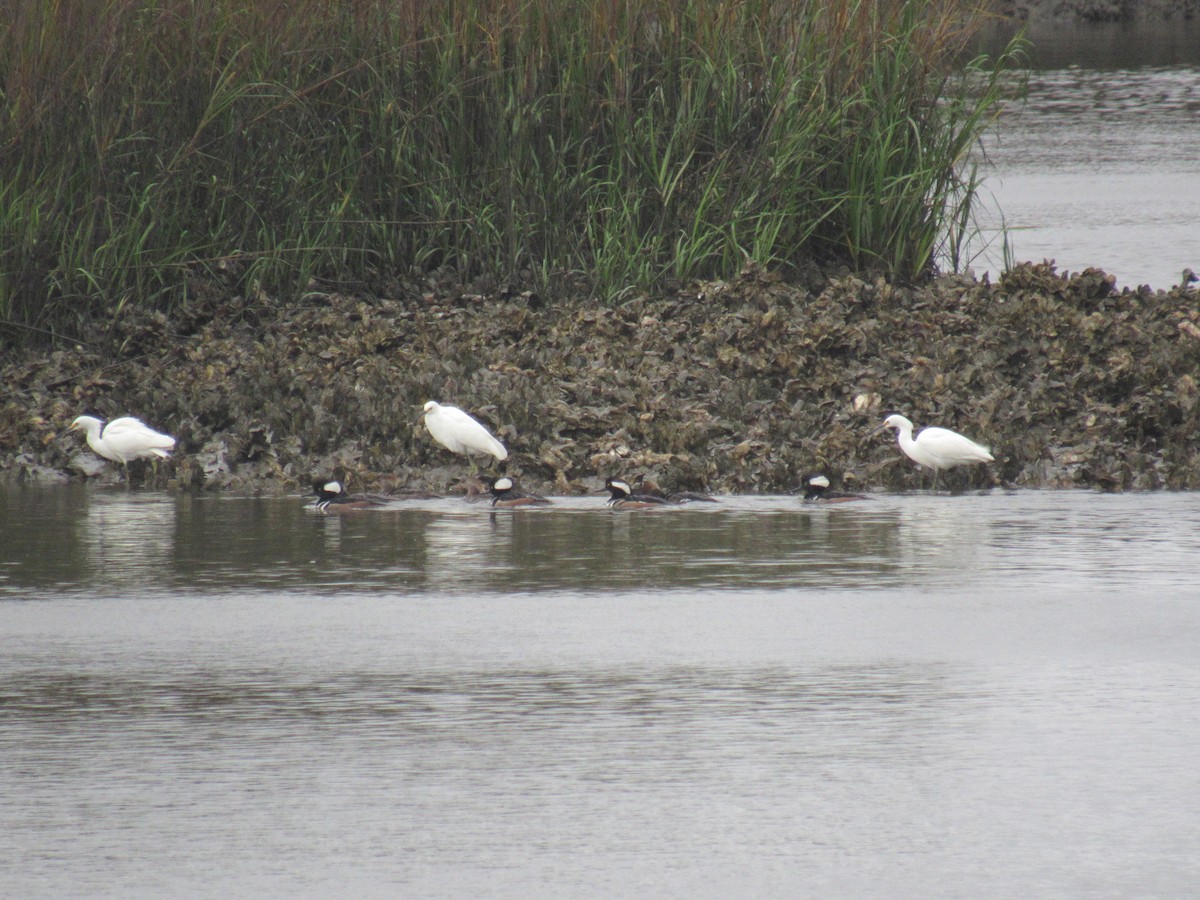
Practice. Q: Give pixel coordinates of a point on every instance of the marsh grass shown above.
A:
(148, 145)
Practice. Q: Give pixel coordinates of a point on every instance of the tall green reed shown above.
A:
(149, 145)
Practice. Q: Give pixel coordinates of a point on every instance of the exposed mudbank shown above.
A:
(737, 386)
(1057, 13)
(1097, 33)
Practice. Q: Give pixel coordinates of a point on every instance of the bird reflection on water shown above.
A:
(127, 537)
(114, 543)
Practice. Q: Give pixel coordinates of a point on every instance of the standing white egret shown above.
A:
(459, 433)
(936, 448)
(124, 440)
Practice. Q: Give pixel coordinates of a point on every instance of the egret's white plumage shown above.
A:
(936, 448)
(459, 433)
(125, 439)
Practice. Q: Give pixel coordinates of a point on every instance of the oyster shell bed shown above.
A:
(738, 387)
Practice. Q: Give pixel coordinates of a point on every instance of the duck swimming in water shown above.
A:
(650, 486)
(621, 496)
(331, 497)
(506, 494)
(816, 489)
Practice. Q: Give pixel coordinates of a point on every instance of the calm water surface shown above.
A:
(953, 696)
(1097, 166)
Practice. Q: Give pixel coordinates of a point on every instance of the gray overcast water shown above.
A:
(1097, 166)
(983, 695)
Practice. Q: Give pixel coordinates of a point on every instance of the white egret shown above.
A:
(124, 440)
(459, 433)
(936, 448)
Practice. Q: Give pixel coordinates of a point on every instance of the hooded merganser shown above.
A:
(816, 487)
(505, 493)
(650, 486)
(623, 497)
(331, 498)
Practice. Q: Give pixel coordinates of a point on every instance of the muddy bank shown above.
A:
(1047, 14)
(737, 386)
(1096, 33)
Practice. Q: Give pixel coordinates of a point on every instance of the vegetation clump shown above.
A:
(150, 147)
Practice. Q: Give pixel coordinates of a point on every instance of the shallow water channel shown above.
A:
(1097, 166)
(915, 695)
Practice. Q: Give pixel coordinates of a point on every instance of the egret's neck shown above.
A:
(93, 435)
